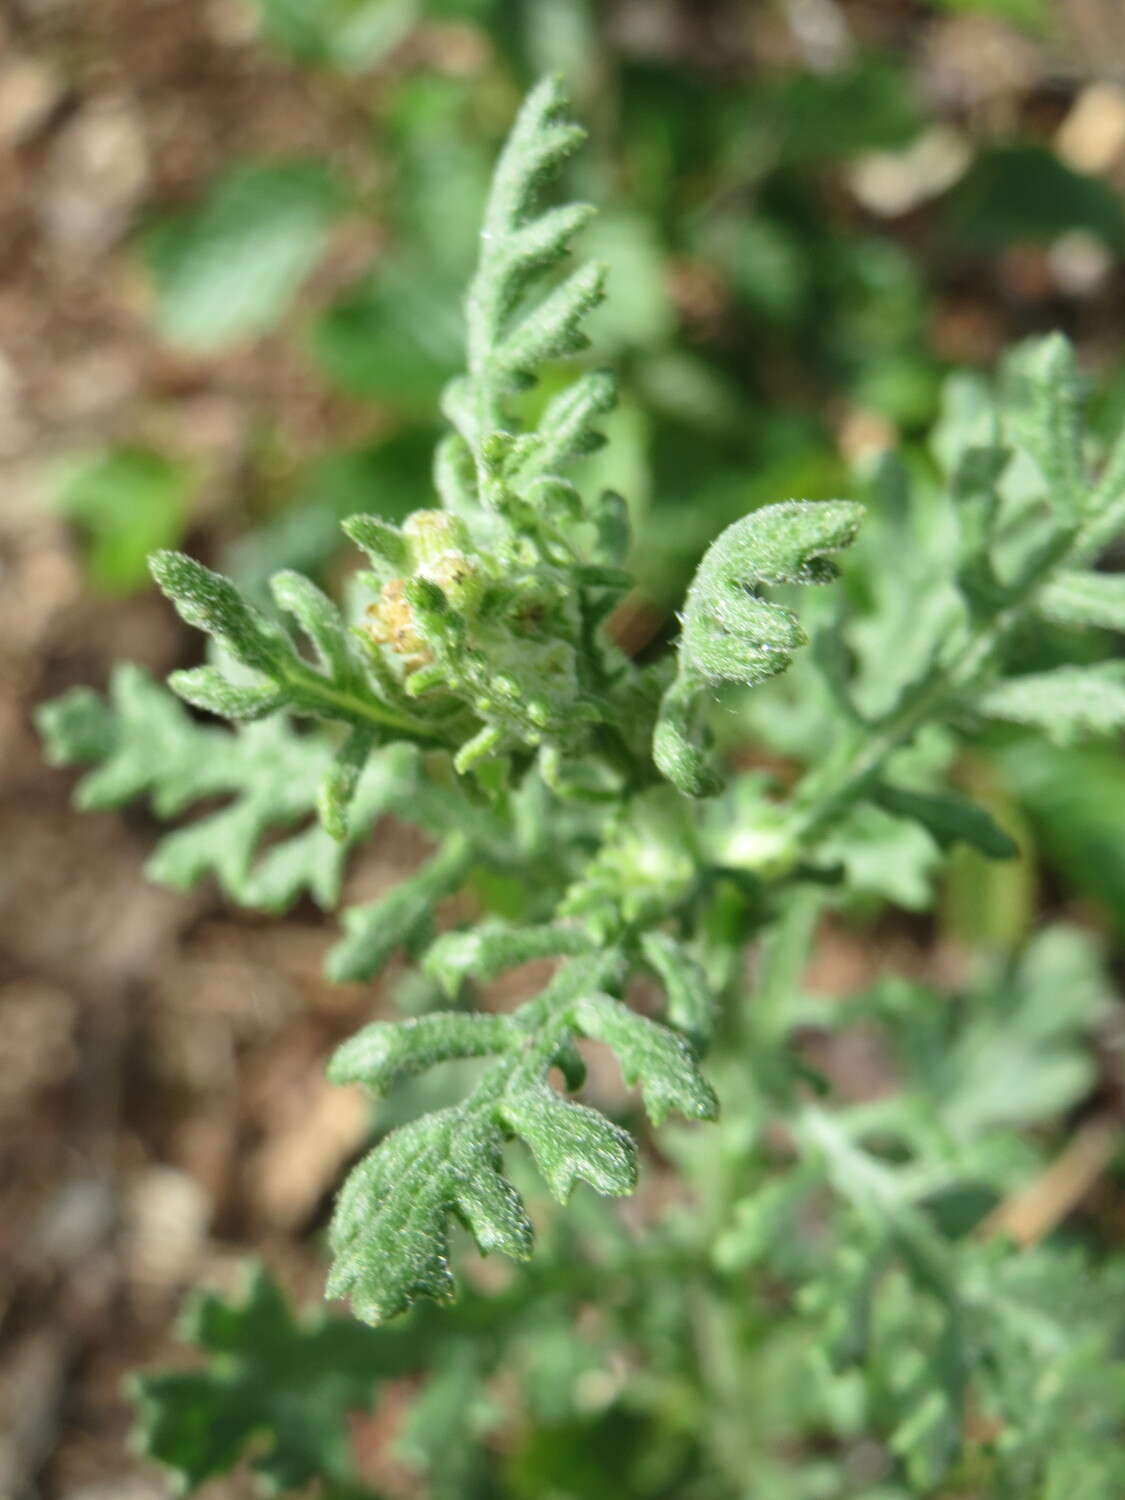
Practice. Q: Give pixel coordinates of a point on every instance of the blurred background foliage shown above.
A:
(235, 235)
(809, 215)
(811, 212)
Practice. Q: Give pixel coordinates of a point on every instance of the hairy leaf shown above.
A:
(651, 1055)
(1067, 703)
(569, 1142)
(732, 634)
(387, 1051)
(1074, 598)
(390, 1231)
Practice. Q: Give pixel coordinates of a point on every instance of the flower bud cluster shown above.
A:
(435, 551)
(498, 628)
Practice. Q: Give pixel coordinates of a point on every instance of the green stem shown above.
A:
(311, 685)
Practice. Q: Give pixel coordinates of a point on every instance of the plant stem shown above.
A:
(311, 685)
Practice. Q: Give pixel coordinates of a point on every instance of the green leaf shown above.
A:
(839, 112)
(268, 1376)
(1024, 192)
(1068, 703)
(681, 740)
(346, 34)
(373, 931)
(566, 428)
(1024, 1055)
(509, 335)
(321, 621)
(211, 602)
(691, 1002)
(142, 743)
(441, 1434)
(484, 951)
(1076, 800)
(552, 330)
(730, 633)
(1078, 598)
(126, 502)
(1050, 424)
(387, 1051)
(569, 1141)
(340, 690)
(951, 819)
(1107, 504)
(341, 781)
(227, 269)
(384, 544)
(651, 1055)
(207, 688)
(390, 1231)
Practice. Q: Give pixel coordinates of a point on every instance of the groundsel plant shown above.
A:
(473, 687)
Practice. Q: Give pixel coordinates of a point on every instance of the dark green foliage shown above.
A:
(270, 1376)
(1024, 192)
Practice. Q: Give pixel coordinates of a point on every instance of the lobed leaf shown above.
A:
(340, 690)
(384, 544)
(268, 1376)
(565, 430)
(553, 329)
(390, 1231)
(483, 952)
(731, 634)
(211, 603)
(569, 1141)
(651, 1055)
(142, 743)
(208, 689)
(373, 931)
(322, 623)
(341, 781)
(1052, 428)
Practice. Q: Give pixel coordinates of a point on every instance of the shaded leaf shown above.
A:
(127, 502)
(951, 819)
(226, 269)
(268, 1377)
